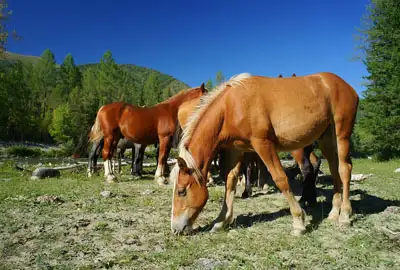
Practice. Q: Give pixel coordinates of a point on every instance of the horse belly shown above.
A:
(300, 129)
(139, 132)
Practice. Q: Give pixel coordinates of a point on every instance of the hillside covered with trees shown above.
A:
(45, 102)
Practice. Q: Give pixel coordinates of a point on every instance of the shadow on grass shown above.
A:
(364, 204)
(246, 221)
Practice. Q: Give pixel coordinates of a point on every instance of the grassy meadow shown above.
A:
(65, 223)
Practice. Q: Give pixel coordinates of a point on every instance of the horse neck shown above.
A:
(205, 140)
(177, 102)
(172, 105)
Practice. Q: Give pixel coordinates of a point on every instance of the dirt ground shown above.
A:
(71, 223)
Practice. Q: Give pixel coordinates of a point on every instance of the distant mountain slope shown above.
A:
(20, 57)
(139, 73)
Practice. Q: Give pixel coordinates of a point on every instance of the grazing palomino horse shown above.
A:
(308, 163)
(123, 144)
(184, 112)
(265, 115)
(145, 126)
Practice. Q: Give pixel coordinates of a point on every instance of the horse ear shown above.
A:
(203, 88)
(280, 76)
(294, 75)
(181, 163)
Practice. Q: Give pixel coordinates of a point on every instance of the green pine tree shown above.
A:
(44, 93)
(209, 85)
(69, 76)
(380, 42)
(109, 77)
(151, 90)
(219, 78)
(167, 93)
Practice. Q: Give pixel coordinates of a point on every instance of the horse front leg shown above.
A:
(302, 157)
(230, 172)
(165, 147)
(138, 162)
(268, 153)
(133, 167)
(248, 189)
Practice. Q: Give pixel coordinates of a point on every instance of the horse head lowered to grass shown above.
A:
(265, 115)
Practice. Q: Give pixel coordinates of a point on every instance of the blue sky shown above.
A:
(192, 40)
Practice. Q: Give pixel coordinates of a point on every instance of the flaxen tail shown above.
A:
(96, 134)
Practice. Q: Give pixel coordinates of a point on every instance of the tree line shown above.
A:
(44, 102)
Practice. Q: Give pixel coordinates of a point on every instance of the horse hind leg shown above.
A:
(93, 155)
(343, 133)
(328, 146)
(268, 153)
(107, 153)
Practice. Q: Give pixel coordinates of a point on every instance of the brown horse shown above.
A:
(265, 115)
(146, 126)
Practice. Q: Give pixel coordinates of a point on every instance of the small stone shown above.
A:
(83, 223)
(49, 198)
(159, 249)
(131, 241)
(392, 210)
(360, 177)
(105, 193)
(233, 232)
(147, 192)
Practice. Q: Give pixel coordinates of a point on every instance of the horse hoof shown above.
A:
(217, 227)
(110, 178)
(162, 181)
(245, 195)
(333, 216)
(298, 232)
(344, 220)
(89, 174)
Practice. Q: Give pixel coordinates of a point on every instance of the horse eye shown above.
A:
(182, 192)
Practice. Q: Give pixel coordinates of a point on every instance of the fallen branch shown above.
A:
(391, 234)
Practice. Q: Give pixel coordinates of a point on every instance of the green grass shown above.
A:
(131, 228)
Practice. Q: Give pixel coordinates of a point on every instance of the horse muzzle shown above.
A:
(181, 224)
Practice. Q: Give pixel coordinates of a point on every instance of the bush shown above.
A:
(22, 151)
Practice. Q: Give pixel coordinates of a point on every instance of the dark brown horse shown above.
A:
(265, 115)
(145, 126)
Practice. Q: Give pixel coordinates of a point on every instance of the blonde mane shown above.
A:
(194, 118)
